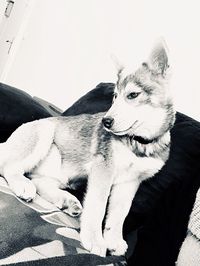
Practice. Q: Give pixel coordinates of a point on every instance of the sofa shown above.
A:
(156, 227)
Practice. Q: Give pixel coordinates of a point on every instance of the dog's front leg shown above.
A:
(99, 185)
(120, 202)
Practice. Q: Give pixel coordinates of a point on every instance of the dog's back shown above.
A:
(74, 136)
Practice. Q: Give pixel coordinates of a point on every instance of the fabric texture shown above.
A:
(190, 250)
(38, 233)
(189, 253)
(157, 222)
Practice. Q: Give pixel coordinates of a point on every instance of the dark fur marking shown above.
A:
(162, 152)
(136, 81)
(77, 182)
(146, 88)
(126, 80)
(103, 147)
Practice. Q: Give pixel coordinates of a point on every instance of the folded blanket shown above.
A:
(39, 231)
(190, 250)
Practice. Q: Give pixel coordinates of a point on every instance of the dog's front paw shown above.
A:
(116, 245)
(68, 203)
(23, 188)
(93, 242)
(73, 207)
(118, 248)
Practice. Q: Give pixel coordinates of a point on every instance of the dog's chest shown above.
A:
(128, 166)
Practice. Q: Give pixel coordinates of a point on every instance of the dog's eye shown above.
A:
(133, 95)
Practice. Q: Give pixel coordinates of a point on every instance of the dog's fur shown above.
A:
(116, 157)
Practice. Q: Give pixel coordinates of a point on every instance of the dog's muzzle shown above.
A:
(108, 122)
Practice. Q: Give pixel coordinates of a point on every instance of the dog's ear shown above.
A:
(158, 61)
(118, 65)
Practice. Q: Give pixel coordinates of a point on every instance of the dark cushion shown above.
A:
(157, 222)
(97, 100)
(17, 107)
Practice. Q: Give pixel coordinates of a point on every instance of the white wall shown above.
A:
(67, 45)
(2, 8)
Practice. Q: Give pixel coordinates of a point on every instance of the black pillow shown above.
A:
(157, 222)
(97, 100)
(17, 107)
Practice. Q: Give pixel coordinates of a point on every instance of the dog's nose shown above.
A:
(108, 122)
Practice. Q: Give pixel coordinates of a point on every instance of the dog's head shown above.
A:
(142, 105)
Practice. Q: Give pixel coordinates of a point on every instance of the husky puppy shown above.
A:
(116, 151)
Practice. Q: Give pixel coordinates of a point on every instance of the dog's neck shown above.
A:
(154, 147)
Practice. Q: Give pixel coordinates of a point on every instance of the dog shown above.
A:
(115, 151)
